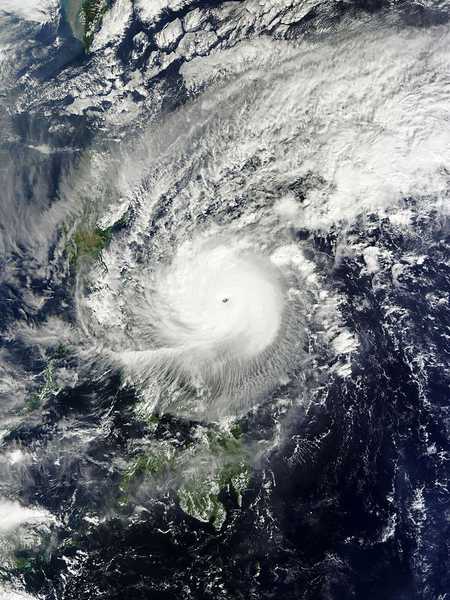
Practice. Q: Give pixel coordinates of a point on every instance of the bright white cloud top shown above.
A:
(218, 301)
(212, 328)
(40, 11)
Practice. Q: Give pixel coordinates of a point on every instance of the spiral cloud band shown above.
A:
(214, 290)
(213, 324)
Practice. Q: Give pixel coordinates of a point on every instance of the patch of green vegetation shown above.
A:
(236, 431)
(199, 496)
(199, 499)
(60, 352)
(234, 458)
(33, 402)
(217, 461)
(92, 242)
(88, 243)
(92, 12)
(227, 446)
(28, 560)
(48, 388)
(155, 464)
(235, 477)
(153, 422)
(24, 565)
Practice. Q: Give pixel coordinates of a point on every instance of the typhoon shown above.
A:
(202, 299)
(215, 321)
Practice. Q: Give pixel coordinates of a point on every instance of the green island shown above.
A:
(88, 243)
(48, 388)
(222, 464)
(84, 18)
